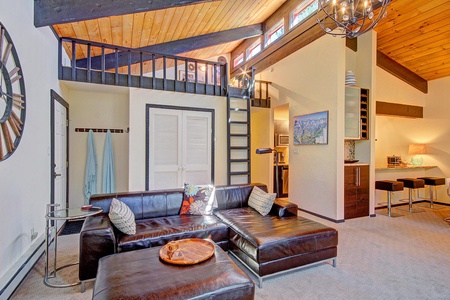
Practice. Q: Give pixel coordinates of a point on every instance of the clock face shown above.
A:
(12, 96)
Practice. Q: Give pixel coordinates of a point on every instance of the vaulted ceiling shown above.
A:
(415, 34)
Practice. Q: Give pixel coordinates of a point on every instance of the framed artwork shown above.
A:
(191, 76)
(311, 129)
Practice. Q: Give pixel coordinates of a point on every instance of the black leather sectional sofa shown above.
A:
(267, 244)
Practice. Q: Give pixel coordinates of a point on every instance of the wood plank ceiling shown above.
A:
(416, 34)
(165, 25)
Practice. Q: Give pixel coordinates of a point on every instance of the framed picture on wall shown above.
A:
(191, 76)
(311, 129)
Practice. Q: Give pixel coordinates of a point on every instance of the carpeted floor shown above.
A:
(378, 258)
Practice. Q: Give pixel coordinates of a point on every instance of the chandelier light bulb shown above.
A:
(352, 18)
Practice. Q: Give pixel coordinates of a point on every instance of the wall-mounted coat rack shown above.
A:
(104, 130)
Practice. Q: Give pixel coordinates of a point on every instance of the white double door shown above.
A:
(180, 143)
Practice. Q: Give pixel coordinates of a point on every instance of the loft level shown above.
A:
(92, 62)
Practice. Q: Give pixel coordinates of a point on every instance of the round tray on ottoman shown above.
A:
(187, 251)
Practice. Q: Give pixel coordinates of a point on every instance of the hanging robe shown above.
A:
(90, 180)
(108, 181)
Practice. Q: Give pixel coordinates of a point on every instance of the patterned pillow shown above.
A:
(261, 201)
(122, 217)
(197, 200)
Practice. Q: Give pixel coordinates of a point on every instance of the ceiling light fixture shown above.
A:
(350, 18)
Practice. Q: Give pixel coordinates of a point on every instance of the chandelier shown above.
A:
(350, 18)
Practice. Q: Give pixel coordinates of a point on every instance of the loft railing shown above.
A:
(114, 65)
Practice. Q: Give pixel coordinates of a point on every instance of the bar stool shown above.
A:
(433, 182)
(412, 184)
(389, 186)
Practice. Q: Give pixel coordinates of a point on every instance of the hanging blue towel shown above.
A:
(108, 166)
(90, 180)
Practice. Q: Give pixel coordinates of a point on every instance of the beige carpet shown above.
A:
(378, 258)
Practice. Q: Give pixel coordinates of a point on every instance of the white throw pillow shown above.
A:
(261, 201)
(122, 217)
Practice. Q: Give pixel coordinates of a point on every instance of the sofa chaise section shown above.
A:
(271, 244)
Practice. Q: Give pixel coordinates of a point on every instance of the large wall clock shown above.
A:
(12, 96)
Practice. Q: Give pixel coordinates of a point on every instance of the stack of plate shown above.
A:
(350, 78)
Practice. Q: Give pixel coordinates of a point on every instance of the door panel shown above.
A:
(196, 149)
(59, 152)
(60, 175)
(164, 156)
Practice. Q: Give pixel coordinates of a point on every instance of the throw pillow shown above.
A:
(122, 217)
(197, 200)
(261, 201)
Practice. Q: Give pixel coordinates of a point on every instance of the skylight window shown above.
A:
(275, 32)
(303, 11)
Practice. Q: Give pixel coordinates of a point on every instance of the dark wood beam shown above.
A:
(352, 44)
(176, 47)
(50, 12)
(398, 110)
(399, 71)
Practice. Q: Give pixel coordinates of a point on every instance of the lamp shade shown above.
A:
(417, 149)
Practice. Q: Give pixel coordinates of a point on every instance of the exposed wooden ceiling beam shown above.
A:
(50, 12)
(399, 71)
(176, 47)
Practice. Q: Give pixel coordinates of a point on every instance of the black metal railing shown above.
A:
(93, 62)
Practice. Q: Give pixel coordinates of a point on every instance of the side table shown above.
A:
(52, 217)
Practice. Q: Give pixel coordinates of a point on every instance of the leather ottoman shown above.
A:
(142, 274)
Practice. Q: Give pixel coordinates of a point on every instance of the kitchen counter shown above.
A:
(404, 168)
(356, 164)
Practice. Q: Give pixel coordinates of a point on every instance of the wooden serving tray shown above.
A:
(186, 251)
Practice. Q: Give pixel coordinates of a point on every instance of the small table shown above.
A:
(66, 214)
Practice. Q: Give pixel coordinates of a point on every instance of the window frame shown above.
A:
(253, 46)
(272, 31)
(238, 60)
(299, 9)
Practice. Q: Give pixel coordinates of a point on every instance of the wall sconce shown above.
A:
(270, 150)
(417, 150)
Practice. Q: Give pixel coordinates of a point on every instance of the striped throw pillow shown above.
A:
(122, 217)
(261, 201)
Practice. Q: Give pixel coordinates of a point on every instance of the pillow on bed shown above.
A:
(261, 201)
(197, 200)
(122, 217)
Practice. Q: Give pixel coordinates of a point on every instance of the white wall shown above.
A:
(312, 80)
(25, 176)
(395, 134)
(261, 137)
(138, 100)
(96, 106)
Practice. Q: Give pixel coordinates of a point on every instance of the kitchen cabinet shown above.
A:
(356, 191)
(356, 113)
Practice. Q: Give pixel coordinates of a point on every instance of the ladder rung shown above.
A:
(239, 160)
(239, 134)
(239, 109)
(238, 122)
(239, 173)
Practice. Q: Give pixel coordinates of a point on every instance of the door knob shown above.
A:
(56, 175)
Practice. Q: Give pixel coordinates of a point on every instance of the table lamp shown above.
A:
(417, 150)
(270, 150)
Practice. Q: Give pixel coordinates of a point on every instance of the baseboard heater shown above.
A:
(14, 276)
